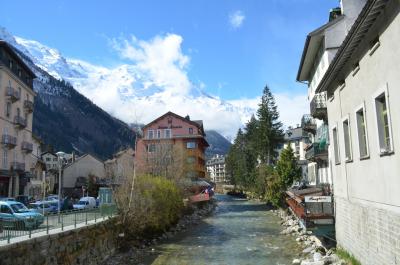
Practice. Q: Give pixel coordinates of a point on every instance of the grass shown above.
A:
(349, 258)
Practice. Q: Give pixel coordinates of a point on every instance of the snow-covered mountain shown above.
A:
(153, 81)
(65, 119)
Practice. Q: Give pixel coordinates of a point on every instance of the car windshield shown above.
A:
(19, 208)
(83, 202)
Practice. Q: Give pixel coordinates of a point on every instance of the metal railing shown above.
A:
(8, 140)
(16, 228)
(17, 166)
(318, 106)
(308, 123)
(19, 121)
(28, 105)
(316, 151)
(13, 94)
(27, 147)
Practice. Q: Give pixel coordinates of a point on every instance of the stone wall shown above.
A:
(87, 245)
(372, 235)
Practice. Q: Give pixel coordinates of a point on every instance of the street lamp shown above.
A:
(59, 185)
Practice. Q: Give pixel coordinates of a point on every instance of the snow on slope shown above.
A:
(153, 82)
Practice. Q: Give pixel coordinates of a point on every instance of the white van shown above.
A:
(85, 203)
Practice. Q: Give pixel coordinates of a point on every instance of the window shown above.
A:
(10, 64)
(190, 159)
(158, 134)
(5, 209)
(5, 162)
(150, 134)
(383, 122)
(190, 130)
(347, 140)
(8, 109)
(48, 159)
(190, 145)
(336, 146)
(151, 148)
(362, 133)
(167, 133)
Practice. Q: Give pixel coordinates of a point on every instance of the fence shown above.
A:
(18, 227)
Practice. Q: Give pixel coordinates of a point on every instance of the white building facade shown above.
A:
(216, 169)
(362, 88)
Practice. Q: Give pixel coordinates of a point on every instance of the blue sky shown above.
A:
(231, 62)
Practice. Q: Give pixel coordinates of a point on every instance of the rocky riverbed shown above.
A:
(314, 252)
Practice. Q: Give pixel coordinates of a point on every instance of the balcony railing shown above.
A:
(9, 141)
(17, 166)
(20, 122)
(12, 94)
(27, 147)
(308, 123)
(317, 151)
(318, 106)
(28, 106)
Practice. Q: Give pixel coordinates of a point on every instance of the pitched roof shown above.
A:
(313, 39)
(197, 123)
(360, 28)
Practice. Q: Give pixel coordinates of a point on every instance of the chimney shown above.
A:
(351, 9)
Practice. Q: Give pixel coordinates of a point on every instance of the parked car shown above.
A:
(85, 203)
(26, 200)
(7, 199)
(16, 215)
(43, 207)
(51, 197)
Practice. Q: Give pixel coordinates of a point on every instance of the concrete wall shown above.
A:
(367, 189)
(87, 245)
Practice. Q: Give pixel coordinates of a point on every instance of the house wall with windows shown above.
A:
(16, 116)
(172, 146)
(364, 121)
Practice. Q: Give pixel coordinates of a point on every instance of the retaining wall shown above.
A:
(87, 245)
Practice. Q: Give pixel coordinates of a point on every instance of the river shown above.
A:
(239, 232)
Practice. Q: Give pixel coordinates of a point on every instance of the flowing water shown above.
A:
(239, 232)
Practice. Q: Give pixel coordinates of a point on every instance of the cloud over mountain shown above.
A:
(151, 80)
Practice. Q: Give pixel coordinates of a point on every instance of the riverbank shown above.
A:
(314, 252)
(133, 253)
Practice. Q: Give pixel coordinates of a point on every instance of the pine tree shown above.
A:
(287, 168)
(270, 132)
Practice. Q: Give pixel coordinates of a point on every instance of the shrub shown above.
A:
(151, 207)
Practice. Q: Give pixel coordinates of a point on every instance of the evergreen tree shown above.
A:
(270, 132)
(287, 168)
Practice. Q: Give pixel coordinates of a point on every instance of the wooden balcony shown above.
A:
(318, 106)
(28, 106)
(12, 94)
(8, 141)
(20, 122)
(27, 147)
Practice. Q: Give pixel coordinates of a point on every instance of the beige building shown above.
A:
(83, 167)
(16, 104)
(120, 167)
(362, 86)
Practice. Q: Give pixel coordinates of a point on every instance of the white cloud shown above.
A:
(236, 19)
(154, 80)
